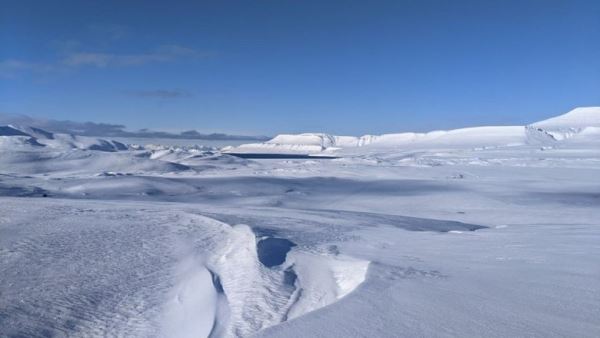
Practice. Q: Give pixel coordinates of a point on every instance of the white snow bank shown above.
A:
(191, 307)
(323, 279)
(252, 296)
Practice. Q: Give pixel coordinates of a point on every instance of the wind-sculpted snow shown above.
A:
(256, 296)
(134, 272)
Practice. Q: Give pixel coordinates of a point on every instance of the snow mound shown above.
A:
(192, 304)
(324, 279)
(251, 295)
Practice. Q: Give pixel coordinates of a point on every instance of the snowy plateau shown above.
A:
(476, 232)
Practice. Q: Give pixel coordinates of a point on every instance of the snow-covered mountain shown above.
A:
(580, 121)
(30, 150)
(578, 118)
(26, 137)
(318, 142)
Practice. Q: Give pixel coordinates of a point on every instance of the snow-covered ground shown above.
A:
(476, 232)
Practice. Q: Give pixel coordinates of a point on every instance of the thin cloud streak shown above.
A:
(10, 68)
(163, 53)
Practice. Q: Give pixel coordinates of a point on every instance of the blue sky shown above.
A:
(265, 67)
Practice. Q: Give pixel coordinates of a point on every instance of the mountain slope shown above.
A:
(23, 136)
(577, 118)
(577, 125)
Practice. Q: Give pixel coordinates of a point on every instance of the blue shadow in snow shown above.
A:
(273, 251)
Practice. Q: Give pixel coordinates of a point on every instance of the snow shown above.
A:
(572, 123)
(324, 279)
(484, 231)
(576, 118)
(40, 137)
(190, 310)
(490, 136)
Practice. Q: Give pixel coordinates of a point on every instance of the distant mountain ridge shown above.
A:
(580, 122)
(114, 130)
(18, 136)
(578, 125)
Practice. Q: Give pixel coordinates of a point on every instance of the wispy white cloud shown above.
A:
(108, 59)
(164, 53)
(77, 59)
(73, 54)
